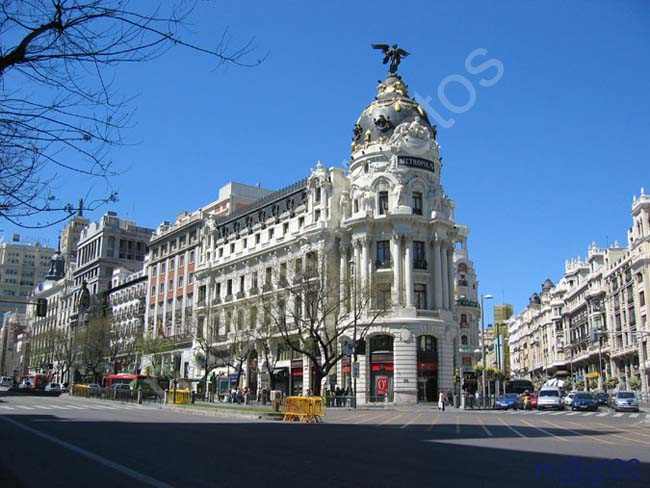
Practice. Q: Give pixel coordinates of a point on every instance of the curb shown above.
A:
(226, 413)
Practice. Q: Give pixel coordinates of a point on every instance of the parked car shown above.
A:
(584, 401)
(509, 400)
(602, 398)
(533, 399)
(568, 399)
(95, 389)
(7, 381)
(550, 397)
(625, 400)
(25, 385)
(54, 387)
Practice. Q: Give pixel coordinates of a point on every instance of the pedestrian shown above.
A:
(450, 398)
(441, 401)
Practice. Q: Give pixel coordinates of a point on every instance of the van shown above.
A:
(7, 381)
(550, 397)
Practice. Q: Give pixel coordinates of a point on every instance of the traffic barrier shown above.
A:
(181, 396)
(81, 390)
(303, 409)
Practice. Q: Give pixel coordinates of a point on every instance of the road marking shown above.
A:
(572, 413)
(43, 407)
(593, 438)
(434, 421)
(604, 414)
(487, 431)
(634, 415)
(411, 421)
(392, 418)
(633, 432)
(559, 412)
(372, 417)
(24, 407)
(542, 412)
(618, 415)
(6, 407)
(587, 414)
(512, 429)
(90, 455)
(74, 407)
(544, 431)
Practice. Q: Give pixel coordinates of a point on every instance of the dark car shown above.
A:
(584, 401)
(509, 400)
(602, 398)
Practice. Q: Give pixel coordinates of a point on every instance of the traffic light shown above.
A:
(41, 307)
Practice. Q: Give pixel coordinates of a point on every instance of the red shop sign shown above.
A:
(382, 385)
(427, 366)
(381, 367)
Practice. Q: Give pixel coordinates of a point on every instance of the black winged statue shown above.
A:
(393, 53)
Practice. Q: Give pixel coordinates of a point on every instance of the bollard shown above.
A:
(139, 396)
(166, 399)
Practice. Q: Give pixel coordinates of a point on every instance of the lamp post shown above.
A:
(354, 367)
(484, 376)
(599, 334)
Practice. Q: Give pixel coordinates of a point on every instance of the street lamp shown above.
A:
(354, 367)
(599, 334)
(484, 376)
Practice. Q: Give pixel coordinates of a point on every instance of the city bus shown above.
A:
(135, 381)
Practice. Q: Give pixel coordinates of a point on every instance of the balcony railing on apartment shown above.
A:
(465, 302)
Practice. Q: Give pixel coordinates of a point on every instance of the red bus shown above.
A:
(133, 380)
(38, 380)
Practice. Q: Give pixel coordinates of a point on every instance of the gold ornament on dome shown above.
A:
(397, 106)
(381, 88)
(421, 111)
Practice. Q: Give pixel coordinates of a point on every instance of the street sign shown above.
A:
(355, 369)
(347, 346)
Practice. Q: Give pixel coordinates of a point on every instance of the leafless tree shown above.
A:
(93, 342)
(312, 319)
(60, 111)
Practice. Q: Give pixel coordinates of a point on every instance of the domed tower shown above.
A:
(401, 235)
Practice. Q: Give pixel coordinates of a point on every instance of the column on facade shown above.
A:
(397, 269)
(437, 275)
(364, 265)
(445, 277)
(408, 272)
(368, 265)
(343, 266)
(356, 270)
(450, 276)
(431, 297)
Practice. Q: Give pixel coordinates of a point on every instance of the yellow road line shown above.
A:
(590, 437)
(434, 421)
(371, 418)
(544, 431)
(623, 437)
(392, 418)
(411, 421)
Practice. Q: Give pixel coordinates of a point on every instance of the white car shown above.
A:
(25, 385)
(53, 387)
(550, 397)
(568, 400)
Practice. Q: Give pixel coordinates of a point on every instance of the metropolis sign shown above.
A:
(418, 163)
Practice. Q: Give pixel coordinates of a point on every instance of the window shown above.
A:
(171, 264)
(356, 205)
(232, 248)
(181, 260)
(154, 270)
(383, 202)
(420, 296)
(217, 290)
(153, 290)
(285, 228)
(229, 287)
(257, 238)
(244, 243)
(180, 282)
(417, 203)
(318, 195)
(253, 317)
(317, 215)
(170, 285)
(463, 340)
(298, 266)
(641, 299)
(221, 252)
(191, 256)
(270, 234)
(418, 255)
(383, 254)
(254, 280)
(268, 276)
(190, 278)
(242, 282)
(283, 272)
(182, 240)
(301, 222)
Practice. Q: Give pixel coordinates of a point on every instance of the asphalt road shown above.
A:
(51, 442)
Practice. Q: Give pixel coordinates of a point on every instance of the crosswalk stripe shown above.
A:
(587, 414)
(6, 407)
(74, 407)
(604, 414)
(24, 407)
(618, 415)
(558, 413)
(634, 415)
(573, 413)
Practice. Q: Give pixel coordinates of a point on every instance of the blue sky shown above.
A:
(544, 162)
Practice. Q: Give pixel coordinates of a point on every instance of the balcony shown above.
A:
(228, 298)
(267, 287)
(253, 290)
(240, 294)
(465, 302)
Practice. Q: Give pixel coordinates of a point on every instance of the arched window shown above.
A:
(463, 340)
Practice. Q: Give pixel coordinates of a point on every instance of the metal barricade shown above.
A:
(81, 390)
(179, 396)
(303, 409)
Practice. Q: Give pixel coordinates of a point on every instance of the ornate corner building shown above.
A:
(384, 233)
